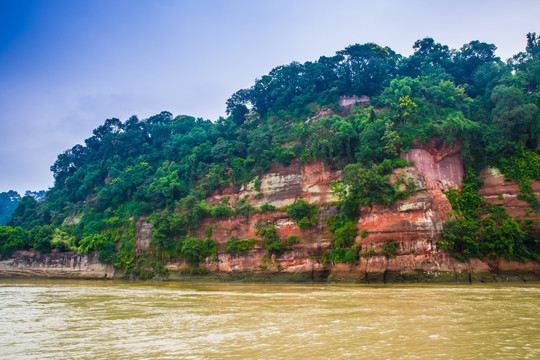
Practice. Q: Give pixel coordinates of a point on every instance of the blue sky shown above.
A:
(67, 65)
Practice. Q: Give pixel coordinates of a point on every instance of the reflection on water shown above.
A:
(43, 319)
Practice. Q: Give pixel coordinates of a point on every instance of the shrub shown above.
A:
(301, 209)
(94, 242)
(305, 222)
(266, 207)
(369, 253)
(237, 246)
(243, 207)
(106, 253)
(343, 255)
(345, 235)
(42, 237)
(292, 240)
(221, 211)
(270, 237)
(257, 184)
(195, 250)
(208, 230)
(147, 274)
(390, 249)
(12, 239)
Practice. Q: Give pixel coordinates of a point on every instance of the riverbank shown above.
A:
(438, 268)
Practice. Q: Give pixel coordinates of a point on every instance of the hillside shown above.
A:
(364, 166)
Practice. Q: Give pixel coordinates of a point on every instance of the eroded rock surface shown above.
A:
(415, 223)
(497, 191)
(59, 265)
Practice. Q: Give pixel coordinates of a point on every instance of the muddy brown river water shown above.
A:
(61, 319)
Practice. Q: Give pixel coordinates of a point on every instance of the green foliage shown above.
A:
(125, 258)
(467, 202)
(522, 168)
(525, 165)
(344, 236)
(63, 241)
(106, 252)
(208, 230)
(481, 230)
(266, 207)
(168, 229)
(42, 237)
(95, 242)
(270, 237)
(12, 239)
(236, 246)
(305, 222)
(343, 255)
(390, 249)
(369, 253)
(195, 250)
(29, 214)
(221, 211)
(303, 212)
(243, 207)
(257, 184)
(292, 240)
(360, 186)
(301, 209)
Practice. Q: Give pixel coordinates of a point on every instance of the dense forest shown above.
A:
(163, 168)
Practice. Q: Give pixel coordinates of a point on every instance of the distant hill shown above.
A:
(8, 202)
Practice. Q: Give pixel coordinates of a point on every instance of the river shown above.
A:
(61, 319)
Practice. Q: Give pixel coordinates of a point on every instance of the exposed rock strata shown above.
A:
(55, 265)
(447, 170)
(415, 223)
(282, 185)
(497, 191)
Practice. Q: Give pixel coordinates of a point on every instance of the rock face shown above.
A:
(497, 191)
(55, 265)
(445, 168)
(282, 185)
(415, 224)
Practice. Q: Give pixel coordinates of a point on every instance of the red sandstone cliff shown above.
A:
(415, 223)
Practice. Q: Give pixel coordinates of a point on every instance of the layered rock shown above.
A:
(448, 171)
(56, 265)
(282, 185)
(416, 223)
(497, 191)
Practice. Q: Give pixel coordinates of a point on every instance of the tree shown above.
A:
(368, 68)
(12, 239)
(528, 63)
(429, 58)
(470, 58)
